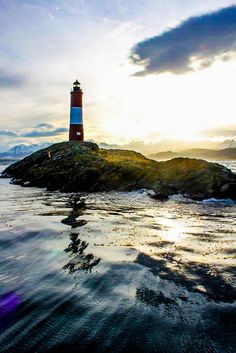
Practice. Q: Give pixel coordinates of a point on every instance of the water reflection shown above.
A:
(137, 275)
(199, 278)
(77, 203)
(153, 298)
(79, 260)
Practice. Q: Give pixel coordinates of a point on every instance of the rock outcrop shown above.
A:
(74, 166)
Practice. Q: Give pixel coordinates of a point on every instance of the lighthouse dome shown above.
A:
(76, 86)
(76, 83)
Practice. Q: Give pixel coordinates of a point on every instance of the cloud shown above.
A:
(44, 130)
(11, 80)
(223, 131)
(45, 133)
(7, 133)
(194, 44)
(41, 130)
(44, 125)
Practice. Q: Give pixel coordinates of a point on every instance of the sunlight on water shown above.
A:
(115, 272)
(175, 228)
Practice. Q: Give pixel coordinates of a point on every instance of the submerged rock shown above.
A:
(74, 167)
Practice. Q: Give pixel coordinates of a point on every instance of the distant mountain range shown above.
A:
(227, 144)
(21, 151)
(203, 153)
(148, 148)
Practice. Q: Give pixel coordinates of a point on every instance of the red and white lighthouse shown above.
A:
(76, 115)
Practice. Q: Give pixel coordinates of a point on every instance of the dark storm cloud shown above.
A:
(7, 133)
(10, 80)
(45, 133)
(201, 39)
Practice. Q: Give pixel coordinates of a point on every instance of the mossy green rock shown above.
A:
(74, 166)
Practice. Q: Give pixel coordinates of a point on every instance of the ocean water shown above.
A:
(125, 273)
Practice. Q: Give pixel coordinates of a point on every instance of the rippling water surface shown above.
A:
(124, 273)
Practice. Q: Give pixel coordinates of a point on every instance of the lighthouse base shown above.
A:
(76, 133)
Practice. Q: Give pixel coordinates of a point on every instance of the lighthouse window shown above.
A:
(78, 133)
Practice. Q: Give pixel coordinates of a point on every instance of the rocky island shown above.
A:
(74, 167)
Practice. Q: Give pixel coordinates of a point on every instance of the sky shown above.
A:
(151, 70)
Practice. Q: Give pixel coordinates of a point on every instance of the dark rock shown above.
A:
(77, 202)
(83, 167)
(163, 190)
(229, 190)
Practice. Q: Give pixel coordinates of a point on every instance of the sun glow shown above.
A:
(178, 107)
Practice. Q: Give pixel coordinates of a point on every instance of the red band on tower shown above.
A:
(76, 99)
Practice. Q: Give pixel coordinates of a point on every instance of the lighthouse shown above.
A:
(76, 116)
